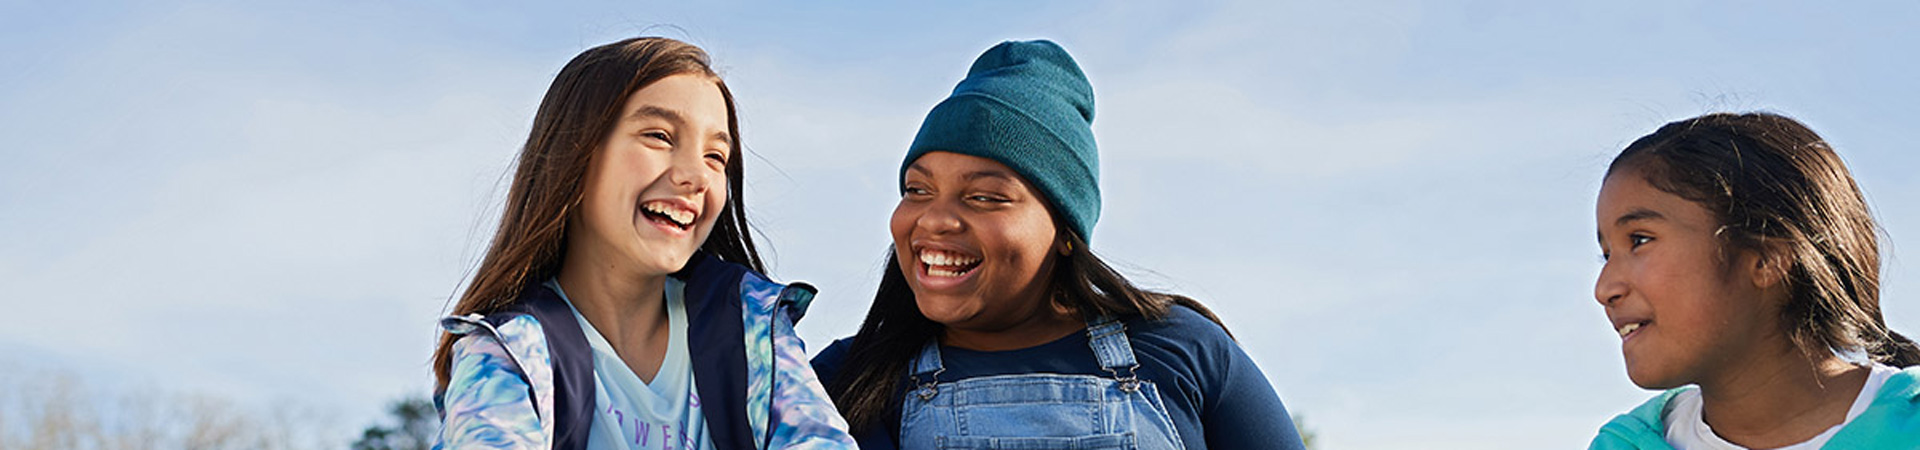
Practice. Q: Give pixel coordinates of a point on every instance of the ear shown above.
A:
(1064, 243)
(1771, 264)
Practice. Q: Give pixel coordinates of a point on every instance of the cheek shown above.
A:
(716, 197)
(1033, 238)
(1676, 280)
(716, 203)
(901, 223)
(599, 194)
(1648, 278)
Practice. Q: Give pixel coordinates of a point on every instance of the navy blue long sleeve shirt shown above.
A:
(1213, 392)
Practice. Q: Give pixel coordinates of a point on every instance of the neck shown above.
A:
(1782, 400)
(619, 302)
(1045, 325)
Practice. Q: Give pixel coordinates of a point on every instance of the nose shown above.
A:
(940, 218)
(690, 174)
(1610, 286)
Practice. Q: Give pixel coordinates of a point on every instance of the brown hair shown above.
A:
(1777, 188)
(580, 109)
(868, 382)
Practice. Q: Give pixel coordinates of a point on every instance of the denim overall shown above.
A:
(1039, 411)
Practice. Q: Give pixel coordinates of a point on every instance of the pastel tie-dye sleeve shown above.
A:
(487, 403)
(803, 415)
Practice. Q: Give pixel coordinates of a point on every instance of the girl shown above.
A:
(621, 293)
(995, 326)
(1741, 258)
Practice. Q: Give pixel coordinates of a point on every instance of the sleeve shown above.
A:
(1242, 411)
(1605, 441)
(803, 415)
(827, 364)
(487, 404)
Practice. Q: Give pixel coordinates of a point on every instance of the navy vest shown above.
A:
(715, 344)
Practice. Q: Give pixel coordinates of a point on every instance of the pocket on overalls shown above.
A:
(1114, 441)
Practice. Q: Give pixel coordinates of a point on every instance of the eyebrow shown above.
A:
(650, 111)
(1636, 215)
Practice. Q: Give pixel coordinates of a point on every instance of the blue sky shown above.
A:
(1390, 203)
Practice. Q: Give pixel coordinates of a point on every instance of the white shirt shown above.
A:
(631, 414)
(1687, 428)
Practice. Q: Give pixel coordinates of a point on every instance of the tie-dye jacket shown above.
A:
(517, 385)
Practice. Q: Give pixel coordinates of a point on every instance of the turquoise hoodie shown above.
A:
(1892, 421)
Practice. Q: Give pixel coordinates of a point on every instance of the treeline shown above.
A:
(54, 410)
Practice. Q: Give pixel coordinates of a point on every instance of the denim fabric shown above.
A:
(1039, 411)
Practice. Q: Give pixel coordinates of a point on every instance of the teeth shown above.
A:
(678, 216)
(1628, 329)
(938, 258)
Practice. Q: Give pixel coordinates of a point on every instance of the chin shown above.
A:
(940, 311)
(667, 264)
(1652, 381)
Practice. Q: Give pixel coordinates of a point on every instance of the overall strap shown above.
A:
(926, 370)
(928, 362)
(1108, 337)
(573, 391)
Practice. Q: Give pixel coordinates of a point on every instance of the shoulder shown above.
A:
(511, 348)
(1179, 320)
(1183, 333)
(757, 293)
(1644, 427)
(1892, 419)
(827, 363)
(516, 339)
(498, 384)
(1188, 353)
(1902, 387)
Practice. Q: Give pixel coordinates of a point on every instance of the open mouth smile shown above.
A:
(946, 264)
(669, 214)
(1627, 329)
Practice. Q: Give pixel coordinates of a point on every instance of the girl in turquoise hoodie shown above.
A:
(1743, 276)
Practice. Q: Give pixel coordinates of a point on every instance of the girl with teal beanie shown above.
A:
(995, 325)
(1743, 276)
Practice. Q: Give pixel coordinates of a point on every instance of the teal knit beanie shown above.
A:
(1028, 106)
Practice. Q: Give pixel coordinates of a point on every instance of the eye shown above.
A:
(657, 135)
(1636, 239)
(915, 190)
(986, 198)
(718, 156)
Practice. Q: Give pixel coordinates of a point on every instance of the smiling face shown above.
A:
(657, 182)
(976, 244)
(1685, 313)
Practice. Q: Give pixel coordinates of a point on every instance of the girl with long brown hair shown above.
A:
(620, 304)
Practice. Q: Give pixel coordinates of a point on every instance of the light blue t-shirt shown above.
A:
(631, 414)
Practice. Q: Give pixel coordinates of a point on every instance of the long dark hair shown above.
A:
(1778, 189)
(580, 109)
(895, 329)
